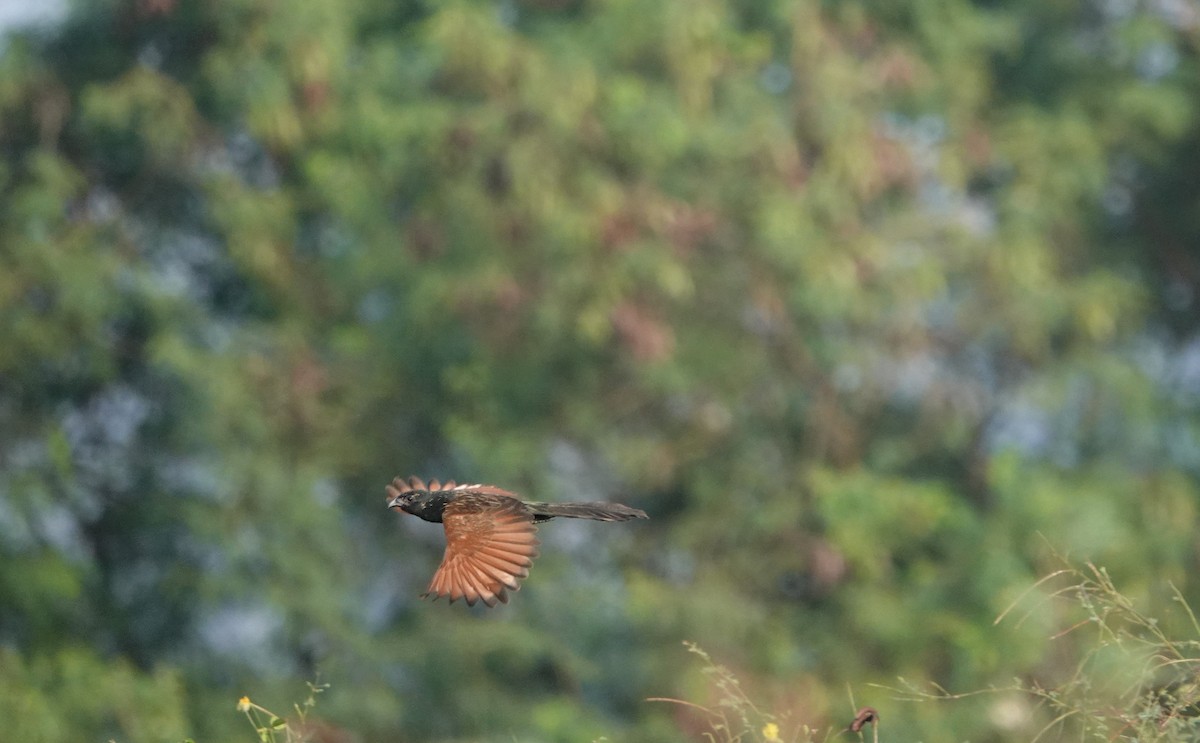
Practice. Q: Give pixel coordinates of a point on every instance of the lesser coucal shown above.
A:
(490, 542)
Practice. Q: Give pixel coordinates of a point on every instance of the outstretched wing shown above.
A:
(490, 545)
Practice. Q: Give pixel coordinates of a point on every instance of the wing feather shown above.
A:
(490, 546)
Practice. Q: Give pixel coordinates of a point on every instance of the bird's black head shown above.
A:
(401, 495)
(398, 501)
(413, 496)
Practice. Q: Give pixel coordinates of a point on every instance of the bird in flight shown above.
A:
(490, 542)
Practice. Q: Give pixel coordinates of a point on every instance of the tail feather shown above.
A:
(596, 510)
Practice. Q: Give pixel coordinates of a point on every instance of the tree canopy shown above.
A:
(878, 309)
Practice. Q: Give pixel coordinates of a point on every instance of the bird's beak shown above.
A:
(395, 502)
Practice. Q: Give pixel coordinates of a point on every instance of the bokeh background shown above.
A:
(882, 310)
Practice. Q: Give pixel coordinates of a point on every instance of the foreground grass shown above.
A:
(273, 728)
(736, 717)
(1133, 681)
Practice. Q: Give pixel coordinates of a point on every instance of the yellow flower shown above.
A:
(244, 704)
(770, 732)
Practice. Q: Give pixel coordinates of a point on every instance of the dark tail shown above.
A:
(596, 510)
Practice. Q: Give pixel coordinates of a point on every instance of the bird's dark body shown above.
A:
(430, 504)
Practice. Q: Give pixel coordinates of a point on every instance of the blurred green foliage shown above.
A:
(873, 306)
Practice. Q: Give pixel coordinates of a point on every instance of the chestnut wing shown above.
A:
(490, 546)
